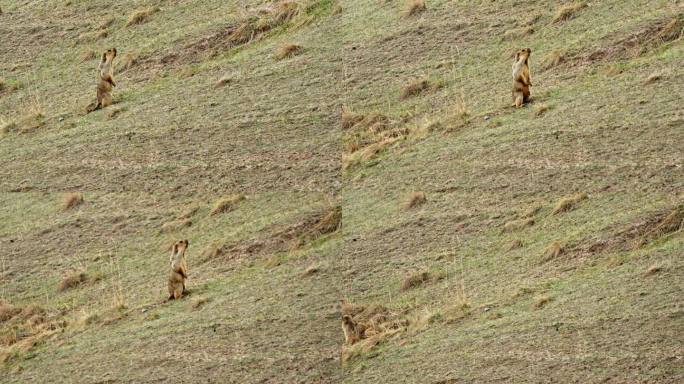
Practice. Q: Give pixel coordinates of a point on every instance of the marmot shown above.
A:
(105, 80)
(521, 78)
(179, 270)
(351, 331)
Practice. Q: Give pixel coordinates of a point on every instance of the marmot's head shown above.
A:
(180, 246)
(347, 320)
(523, 54)
(109, 55)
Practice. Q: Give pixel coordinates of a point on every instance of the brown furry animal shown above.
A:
(105, 81)
(352, 333)
(179, 270)
(521, 78)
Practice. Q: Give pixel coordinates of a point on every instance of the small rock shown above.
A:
(487, 117)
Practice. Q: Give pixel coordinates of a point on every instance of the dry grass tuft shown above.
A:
(415, 199)
(652, 78)
(288, 50)
(517, 225)
(540, 109)
(673, 222)
(414, 7)
(553, 59)
(518, 33)
(213, 251)
(113, 112)
(569, 202)
(515, 244)
(106, 23)
(71, 200)
(88, 55)
(226, 204)
(553, 250)
(310, 270)
(176, 225)
(541, 301)
(189, 212)
(199, 301)
(92, 36)
(568, 11)
(348, 119)
(419, 278)
(142, 15)
(414, 88)
(129, 60)
(223, 81)
(653, 269)
(73, 280)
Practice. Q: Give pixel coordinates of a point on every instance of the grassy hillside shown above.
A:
(546, 245)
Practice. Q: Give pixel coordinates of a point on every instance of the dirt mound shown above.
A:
(375, 323)
(640, 42)
(291, 237)
(636, 234)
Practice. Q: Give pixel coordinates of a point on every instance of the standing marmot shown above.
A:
(105, 80)
(179, 270)
(521, 78)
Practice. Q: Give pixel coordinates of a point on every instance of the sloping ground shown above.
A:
(521, 294)
(479, 282)
(180, 136)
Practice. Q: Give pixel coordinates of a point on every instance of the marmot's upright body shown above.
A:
(179, 270)
(105, 80)
(352, 331)
(521, 78)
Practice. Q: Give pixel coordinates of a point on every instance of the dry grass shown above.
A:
(213, 251)
(653, 269)
(540, 109)
(553, 250)
(673, 222)
(310, 270)
(73, 280)
(142, 15)
(553, 59)
(113, 112)
(414, 7)
(415, 199)
(515, 244)
(176, 225)
(518, 33)
(654, 77)
(288, 50)
(199, 301)
(129, 59)
(226, 204)
(419, 278)
(569, 202)
(106, 22)
(88, 55)
(568, 11)
(223, 81)
(541, 301)
(414, 88)
(71, 200)
(348, 119)
(189, 212)
(517, 225)
(92, 36)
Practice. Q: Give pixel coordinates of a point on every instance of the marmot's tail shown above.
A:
(93, 107)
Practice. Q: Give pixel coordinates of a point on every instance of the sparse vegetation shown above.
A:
(414, 199)
(288, 50)
(141, 15)
(414, 7)
(73, 280)
(71, 200)
(568, 11)
(226, 204)
(569, 202)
